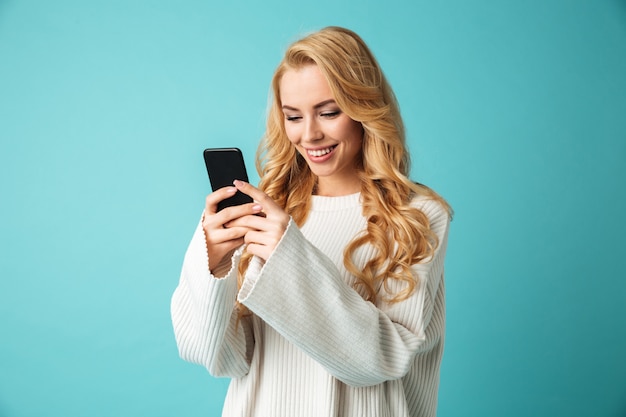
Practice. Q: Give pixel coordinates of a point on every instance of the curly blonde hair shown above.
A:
(399, 232)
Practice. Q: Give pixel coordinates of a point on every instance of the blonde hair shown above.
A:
(399, 232)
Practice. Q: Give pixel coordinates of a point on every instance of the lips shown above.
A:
(316, 153)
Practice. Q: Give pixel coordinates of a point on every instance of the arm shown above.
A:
(311, 305)
(204, 315)
(203, 306)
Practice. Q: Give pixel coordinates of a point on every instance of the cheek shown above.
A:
(291, 132)
(352, 131)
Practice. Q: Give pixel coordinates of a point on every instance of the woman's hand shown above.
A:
(262, 233)
(221, 241)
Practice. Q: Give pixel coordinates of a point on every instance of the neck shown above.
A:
(337, 188)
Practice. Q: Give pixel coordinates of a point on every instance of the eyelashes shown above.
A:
(325, 115)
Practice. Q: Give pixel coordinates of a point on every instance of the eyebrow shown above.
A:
(317, 106)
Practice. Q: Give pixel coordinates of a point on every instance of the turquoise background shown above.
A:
(515, 111)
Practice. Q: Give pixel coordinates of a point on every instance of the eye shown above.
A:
(292, 118)
(330, 114)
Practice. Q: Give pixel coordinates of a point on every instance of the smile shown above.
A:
(320, 152)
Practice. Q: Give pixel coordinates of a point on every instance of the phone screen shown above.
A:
(225, 165)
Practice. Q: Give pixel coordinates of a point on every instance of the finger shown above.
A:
(258, 238)
(257, 195)
(261, 251)
(222, 218)
(250, 222)
(268, 241)
(234, 213)
(213, 199)
(269, 208)
(219, 236)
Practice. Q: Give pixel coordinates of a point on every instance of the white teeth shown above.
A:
(320, 152)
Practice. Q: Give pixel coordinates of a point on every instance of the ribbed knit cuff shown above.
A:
(257, 265)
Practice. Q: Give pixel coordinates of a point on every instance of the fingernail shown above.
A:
(231, 190)
(238, 183)
(257, 207)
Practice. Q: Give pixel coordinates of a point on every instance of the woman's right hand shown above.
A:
(222, 241)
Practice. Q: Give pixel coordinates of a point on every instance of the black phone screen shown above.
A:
(225, 165)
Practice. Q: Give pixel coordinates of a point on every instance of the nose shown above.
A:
(312, 131)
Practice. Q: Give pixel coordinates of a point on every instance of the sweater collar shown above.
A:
(325, 203)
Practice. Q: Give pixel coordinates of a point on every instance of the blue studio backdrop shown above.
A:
(515, 112)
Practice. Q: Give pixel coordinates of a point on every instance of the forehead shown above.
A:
(304, 86)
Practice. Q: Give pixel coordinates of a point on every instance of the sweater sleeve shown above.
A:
(204, 315)
(301, 293)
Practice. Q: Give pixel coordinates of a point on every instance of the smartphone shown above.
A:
(224, 165)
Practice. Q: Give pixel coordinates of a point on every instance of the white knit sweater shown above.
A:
(313, 346)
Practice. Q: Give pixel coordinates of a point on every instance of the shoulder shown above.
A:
(435, 210)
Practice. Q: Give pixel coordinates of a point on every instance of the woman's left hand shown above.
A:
(266, 231)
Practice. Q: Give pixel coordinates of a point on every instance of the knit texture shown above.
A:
(313, 346)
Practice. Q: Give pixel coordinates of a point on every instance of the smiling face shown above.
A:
(327, 138)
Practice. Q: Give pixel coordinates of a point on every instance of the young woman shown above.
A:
(324, 297)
